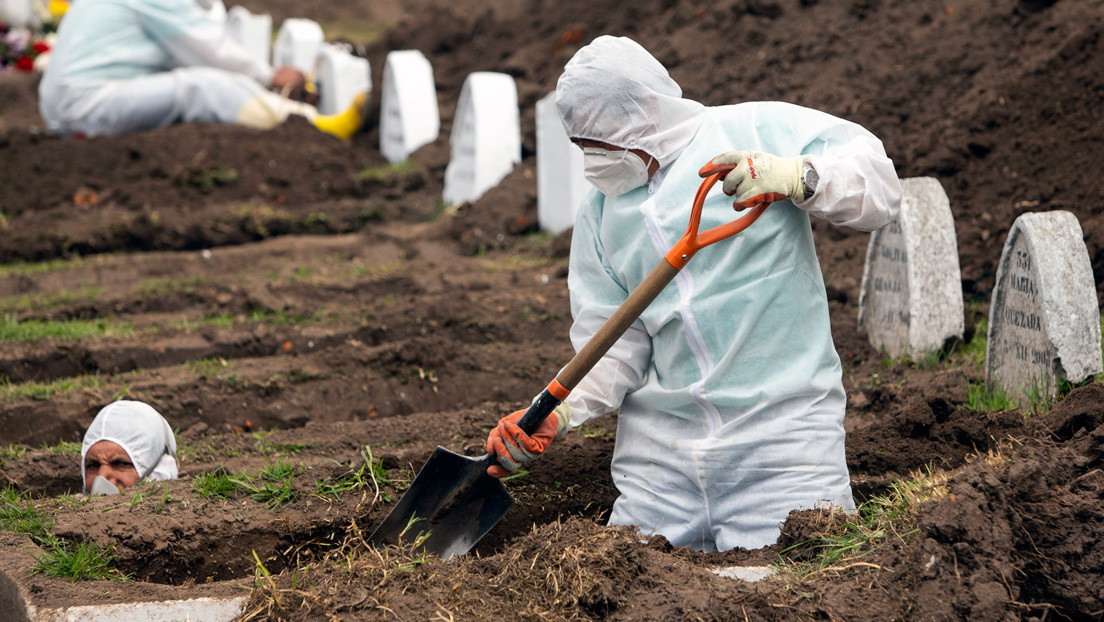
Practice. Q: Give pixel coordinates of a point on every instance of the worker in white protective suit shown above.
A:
(121, 66)
(729, 386)
(126, 443)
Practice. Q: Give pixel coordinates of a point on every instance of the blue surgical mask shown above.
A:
(614, 172)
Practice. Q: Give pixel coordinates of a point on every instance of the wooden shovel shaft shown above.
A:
(616, 325)
(581, 364)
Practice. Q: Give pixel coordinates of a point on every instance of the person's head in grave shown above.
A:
(126, 443)
(119, 67)
(709, 454)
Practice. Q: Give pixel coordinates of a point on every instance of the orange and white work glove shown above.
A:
(513, 448)
(760, 178)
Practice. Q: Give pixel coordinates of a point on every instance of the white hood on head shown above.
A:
(141, 431)
(615, 92)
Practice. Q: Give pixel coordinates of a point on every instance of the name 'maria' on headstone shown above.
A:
(297, 44)
(911, 297)
(485, 143)
(409, 116)
(1044, 320)
(560, 181)
(339, 77)
(252, 32)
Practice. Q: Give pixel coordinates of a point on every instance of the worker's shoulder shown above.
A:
(755, 108)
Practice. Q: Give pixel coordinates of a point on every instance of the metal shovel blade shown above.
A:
(453, 500)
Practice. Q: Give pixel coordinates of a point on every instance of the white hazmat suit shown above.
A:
(127, 65)
(729, 386)
(142, 432)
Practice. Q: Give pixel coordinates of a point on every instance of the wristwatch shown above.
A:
(810, 178)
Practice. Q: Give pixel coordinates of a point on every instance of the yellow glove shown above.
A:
(760, 177)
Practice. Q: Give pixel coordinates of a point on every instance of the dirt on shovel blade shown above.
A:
(314, 322)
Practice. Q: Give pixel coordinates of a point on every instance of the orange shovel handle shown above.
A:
(692, 241)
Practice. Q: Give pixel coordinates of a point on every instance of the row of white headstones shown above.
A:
(485, 143)
(1044, 318)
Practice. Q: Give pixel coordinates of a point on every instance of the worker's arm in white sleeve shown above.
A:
(857, 186)
(596, 293)
(194, 38)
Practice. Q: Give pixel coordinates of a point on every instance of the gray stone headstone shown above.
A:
(1044, 322)
(911, 298)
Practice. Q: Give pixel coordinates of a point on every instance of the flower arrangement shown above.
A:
(26, 47)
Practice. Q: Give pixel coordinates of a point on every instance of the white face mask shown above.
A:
(614, 172)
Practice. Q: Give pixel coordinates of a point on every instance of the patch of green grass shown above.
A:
(47, 390)
(24, 268)
(887, 517)
(974, 352)
(988, 397)
(369, 473)
(18, 514)
(161, 287)
(266, 446)
(363, 31)
(316, 218)
(11, 329)
(210, 178)
(388, 172)
(11, 450)
(63, 447)
(215, 484)
(283, 318)
(49, 300)
(273, 486)
(77, 561)
(220, 320)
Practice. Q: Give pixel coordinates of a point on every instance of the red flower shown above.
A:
(40, 47)
(25, 63)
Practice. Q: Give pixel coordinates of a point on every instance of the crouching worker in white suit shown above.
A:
(122, 66)
(729, 386)
(126, 443)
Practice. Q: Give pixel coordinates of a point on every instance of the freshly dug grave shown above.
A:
(288, 300)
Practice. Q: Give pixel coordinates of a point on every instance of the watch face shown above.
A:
(810, 178)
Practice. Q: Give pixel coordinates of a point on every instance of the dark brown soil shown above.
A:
(282, 297)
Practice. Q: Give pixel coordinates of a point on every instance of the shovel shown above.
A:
(452, 503)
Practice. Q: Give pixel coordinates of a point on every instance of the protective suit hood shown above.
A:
(615, 92)
(142, 432)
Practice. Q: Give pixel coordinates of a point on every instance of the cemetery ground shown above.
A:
(314, 322)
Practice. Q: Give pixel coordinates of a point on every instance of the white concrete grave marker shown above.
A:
(1044, 321)
(409, 117)
(911, 298)
(252, 32)
(297, 44)
(560, 182)
(218, 12)
(340, 76)
(485, 143)
(19, 13)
